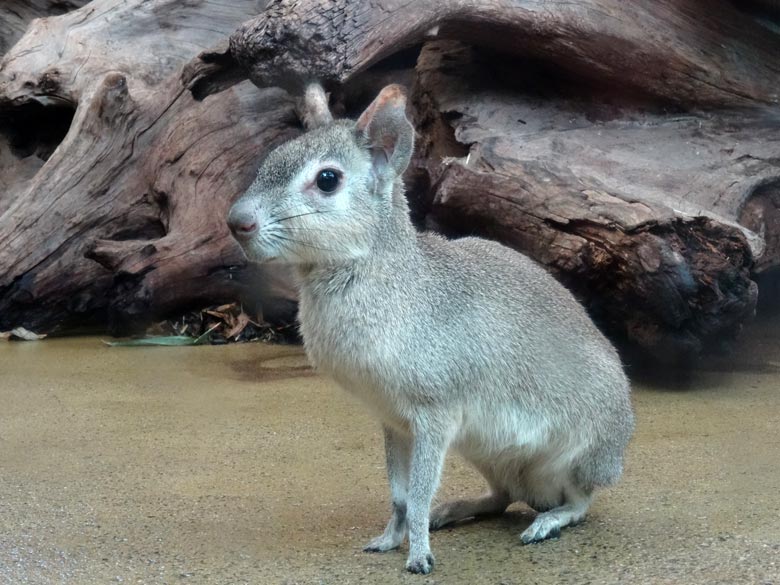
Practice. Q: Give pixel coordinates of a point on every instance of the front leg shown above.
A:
(397, 453)
(429, 446)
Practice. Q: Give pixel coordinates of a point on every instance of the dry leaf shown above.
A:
(24, 334)
(241, 323)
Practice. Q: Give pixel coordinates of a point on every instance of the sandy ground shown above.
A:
(236, 464)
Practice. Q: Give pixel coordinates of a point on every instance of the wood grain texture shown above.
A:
(630, 146)
(686, 51)
(635, 209)
(16, 15)
(123, 221)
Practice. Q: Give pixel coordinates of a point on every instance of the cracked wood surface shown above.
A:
(124, 220)
(636, 209)
(681, 51)
(16, 15)
(601, 137)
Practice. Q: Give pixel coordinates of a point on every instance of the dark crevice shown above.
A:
(354, 96)
(150, 230)
(769, 9)
(33, 129)
(226, 74)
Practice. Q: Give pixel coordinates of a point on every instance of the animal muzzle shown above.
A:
(242, 222)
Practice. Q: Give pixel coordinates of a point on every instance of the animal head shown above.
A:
(324, 196)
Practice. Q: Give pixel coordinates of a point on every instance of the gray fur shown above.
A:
(464, 344)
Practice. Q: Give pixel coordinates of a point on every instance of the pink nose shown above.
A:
(241, 223)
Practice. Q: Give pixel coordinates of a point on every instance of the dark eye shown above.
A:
(328, 180)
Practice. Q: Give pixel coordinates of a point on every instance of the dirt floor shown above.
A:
(236, 464)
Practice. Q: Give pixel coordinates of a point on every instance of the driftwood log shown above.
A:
(16, 15)
(630, 146)
(634, 212)
(670, 49)
(115, 181)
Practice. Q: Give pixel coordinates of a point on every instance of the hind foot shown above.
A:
(549, 524)
(447, 513)
(384, 543)
(394, 533)
(543, 528)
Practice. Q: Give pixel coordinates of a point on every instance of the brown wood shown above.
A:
(629, 145)
(123, 220)
(16, 15)
(685, 51)
(634, 209)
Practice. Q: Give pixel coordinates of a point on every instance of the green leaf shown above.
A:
(170, 340)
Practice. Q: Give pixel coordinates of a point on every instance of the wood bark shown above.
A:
(638, 214)
(629, 173)
(630, 146)
(684, 51)
(16, 15)
(123, 220)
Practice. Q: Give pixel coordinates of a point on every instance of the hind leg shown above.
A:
(548, 524)
(493, 503)
(490, 504)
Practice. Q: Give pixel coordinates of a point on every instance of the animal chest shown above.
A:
(356, 345)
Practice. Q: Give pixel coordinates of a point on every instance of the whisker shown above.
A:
(302, 229)
(281, 219)
(293, 240)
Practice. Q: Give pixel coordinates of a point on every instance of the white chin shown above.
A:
(259, 254)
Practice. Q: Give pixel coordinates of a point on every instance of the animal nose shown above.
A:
(242, 223)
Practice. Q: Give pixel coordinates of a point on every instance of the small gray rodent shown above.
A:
(464, 344)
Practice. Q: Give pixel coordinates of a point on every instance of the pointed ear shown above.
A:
(388, 133)
(315, 111)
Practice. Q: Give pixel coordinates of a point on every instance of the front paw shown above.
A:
(420, 564)
(382, 543)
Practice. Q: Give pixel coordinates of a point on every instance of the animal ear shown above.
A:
(387, 132)
(315, 111)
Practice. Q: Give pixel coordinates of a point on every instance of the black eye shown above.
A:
(328, 180)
